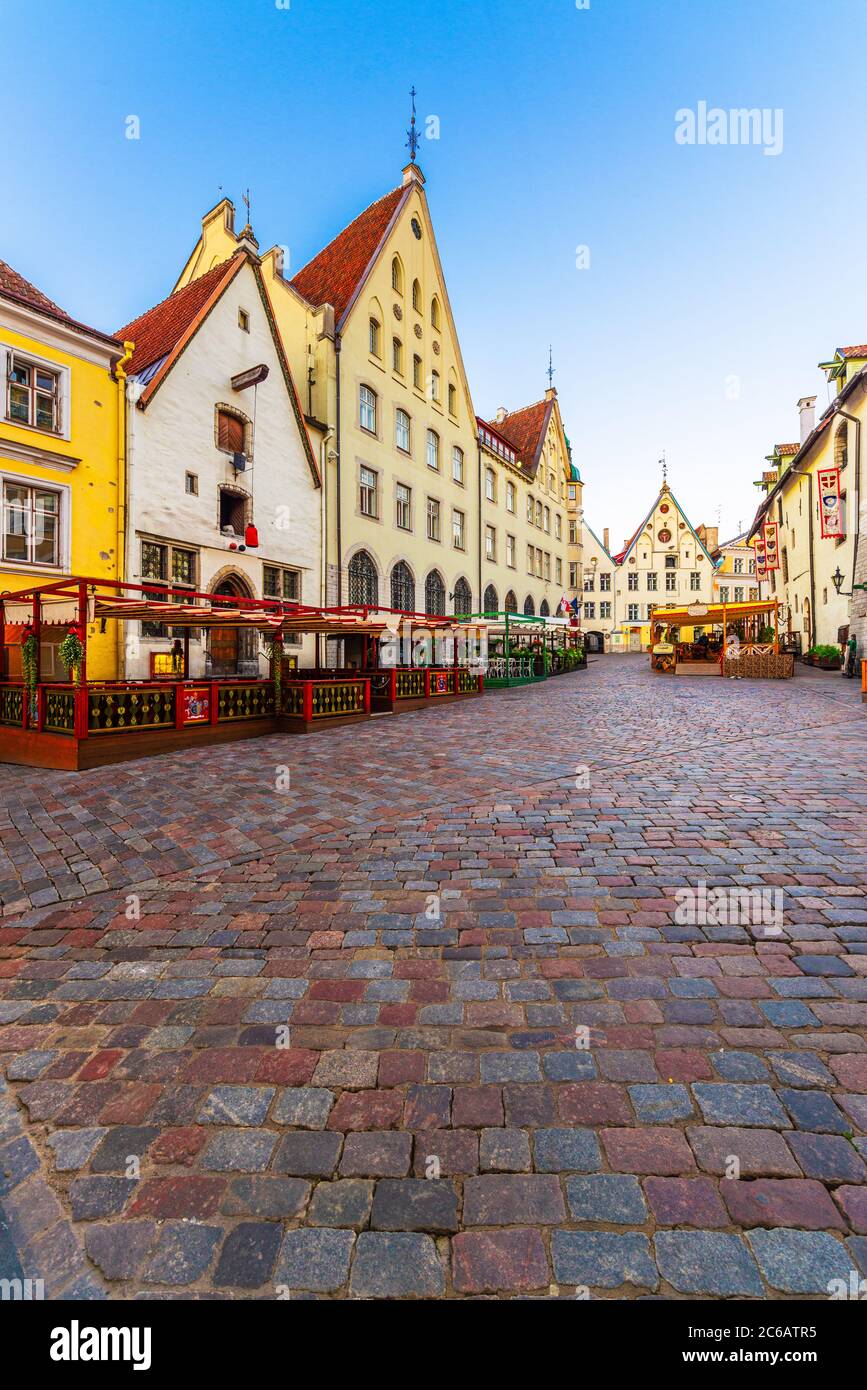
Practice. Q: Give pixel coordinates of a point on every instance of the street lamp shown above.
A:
(837, 580)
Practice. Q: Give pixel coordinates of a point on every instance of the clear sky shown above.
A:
(718, 276)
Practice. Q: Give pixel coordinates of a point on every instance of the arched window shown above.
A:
(841, 446)
(434, 593)
(529, 606)
(491, 603)
(544, 610)
(397, 275)
(375, 338)
(397, 356)
(402, 588)
(435, 312)
(434, 385)
(510, 603)
(367, 409)
(231, 431)
(363, 580)
(416, 296)
(463, 597)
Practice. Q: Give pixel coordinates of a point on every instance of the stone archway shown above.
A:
(231, 651)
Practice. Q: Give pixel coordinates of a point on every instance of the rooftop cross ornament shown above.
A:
(412, 141)
(664, 470)
(246, 201)
(550, 368)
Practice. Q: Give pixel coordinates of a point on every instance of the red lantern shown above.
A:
(251, 537)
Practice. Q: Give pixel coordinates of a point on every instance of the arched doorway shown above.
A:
(808, 626)
(231, 650)
(510, 603)
(435, 594)
(363, 580)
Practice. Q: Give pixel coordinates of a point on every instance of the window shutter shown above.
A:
(230, 433)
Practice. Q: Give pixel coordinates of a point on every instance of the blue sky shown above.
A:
(718, 276)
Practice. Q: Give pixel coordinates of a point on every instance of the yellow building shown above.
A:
(734, 579)
(61, 463)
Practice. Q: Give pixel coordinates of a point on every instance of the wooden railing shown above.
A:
(325, 699)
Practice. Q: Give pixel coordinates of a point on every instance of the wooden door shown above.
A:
(224, 651)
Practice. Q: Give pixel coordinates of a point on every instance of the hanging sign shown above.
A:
(770, 532)
(759, 547)
(830, 503)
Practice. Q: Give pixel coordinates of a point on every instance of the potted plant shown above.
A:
(29, 663)
(71, 652)
(826, 656)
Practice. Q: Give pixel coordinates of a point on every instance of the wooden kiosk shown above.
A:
(728, 639)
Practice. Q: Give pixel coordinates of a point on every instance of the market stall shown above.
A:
(739, 640)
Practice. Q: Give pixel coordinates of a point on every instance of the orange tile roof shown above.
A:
(160, 329)
(786, 449)
(859, 350)
(525, 430)
(14, 286)
(334, 275)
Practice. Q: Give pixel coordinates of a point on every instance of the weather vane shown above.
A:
(412, 140)
(664, 469)
(246, 201)
(550, 368)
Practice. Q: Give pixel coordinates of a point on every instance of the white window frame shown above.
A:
(63, 374)
(64, 527)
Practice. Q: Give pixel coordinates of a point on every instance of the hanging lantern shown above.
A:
(251, 536)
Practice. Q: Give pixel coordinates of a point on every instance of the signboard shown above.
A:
(251, 377)
(830, 504)
(770, 532)
(759, 547)
(196, 704)
(697, 610)
(439, 683)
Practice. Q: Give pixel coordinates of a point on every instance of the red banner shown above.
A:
(770, 533)
(830, 504)
(759, 546)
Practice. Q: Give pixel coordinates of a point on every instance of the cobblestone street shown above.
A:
(427, 1023)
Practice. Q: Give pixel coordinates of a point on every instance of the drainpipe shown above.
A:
(133, 394)
(339, 490)
(122, 480)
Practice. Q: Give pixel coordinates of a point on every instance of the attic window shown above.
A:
(231, 432)
(244, 320)
(233, 511)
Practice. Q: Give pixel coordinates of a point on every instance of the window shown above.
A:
(632, 580)
(367, 409)
(367, 492)
(652, 582)
(434, 385)
(401, 431)
(191, 484)
(234, 511)
(434, 593)
(490, 485)
(547, 519)
(433, 519)
(590, 610)
(671, 562)
(231, 432)
(375, 337)
(649, 610)
(416, 296)
(531, 510)
(402, 588)
(739, 565)
(589, 583)
(490, 543)
(558, 570)
(278, 582)
(510, 602)
(243, 321)
(752, 566)
(739, 593)
(397, 356)
(31, 524)
(417, 376)
(539, 514)
(463, 598)
(529, 606)
(510, 497)
(32, 394)
(670, 583)
(544, 609)
(453, 400)
(632, 613)
(573, 532)
(531, 559)
(605, 610)
(435, 313)
(605, 583)
(539, 563)
(458, 530)
(396, 275)
(433, 449)
(458, 465)
(552, 484)
(573, 492)
(403, 507)
(573, 576)
(558, 526)
(510, 552)
(695, 581)
(490, 602)
(546, 566)
(172, 565)
(363, 580)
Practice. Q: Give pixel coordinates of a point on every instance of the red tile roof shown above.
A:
(525, 429)
(14, 286)
(859, 350)
(159, 330)
(784, 450)
(334, 275)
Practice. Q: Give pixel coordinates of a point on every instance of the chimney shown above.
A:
(807, 413)
(605, 539)
(502, 412)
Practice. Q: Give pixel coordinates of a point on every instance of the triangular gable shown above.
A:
(620, 558)
(163, 332)
(338, 272)
(603, 548)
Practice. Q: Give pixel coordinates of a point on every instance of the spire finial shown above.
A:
(551, 368)
(412, 135)
(246, 201)
(664, 467)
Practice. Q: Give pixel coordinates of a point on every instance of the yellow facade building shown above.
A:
(61, 463)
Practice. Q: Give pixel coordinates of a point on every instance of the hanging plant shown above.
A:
(274, 648)
(29, 663)
(71, 652)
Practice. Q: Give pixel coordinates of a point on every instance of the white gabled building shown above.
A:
(598, 614)
(217, 444)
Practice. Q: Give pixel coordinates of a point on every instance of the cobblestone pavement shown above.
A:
(430, 1023)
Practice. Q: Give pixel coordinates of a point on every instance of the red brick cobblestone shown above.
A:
(431, 1026)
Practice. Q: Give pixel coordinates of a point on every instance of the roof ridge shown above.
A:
(15, 286)
(212, 275)
(335, 273)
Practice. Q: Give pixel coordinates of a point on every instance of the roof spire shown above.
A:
(664, 467)
(550, 368)
(412, 135)
(247, 237)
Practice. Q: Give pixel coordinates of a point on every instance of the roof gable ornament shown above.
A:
(551, 368)
(412, 135)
